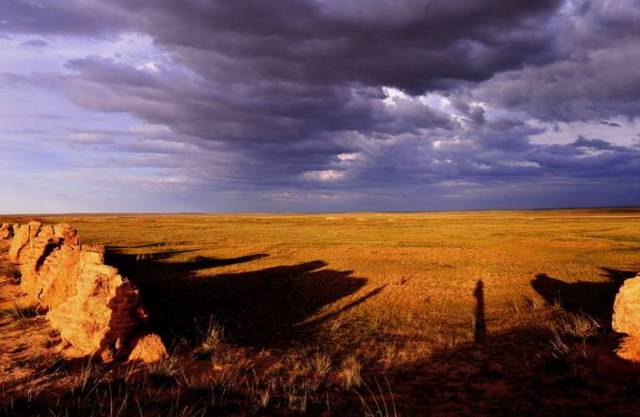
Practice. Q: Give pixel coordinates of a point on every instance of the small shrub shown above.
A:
(297, 398)
(378, 405)
(350, 372)
(390, 354)
(263, 397)
(212, 337)
(20, 316)
(321, 365)
(86, 383)
(165, 371)
(559, 348)
(131, 372)
(579, 325)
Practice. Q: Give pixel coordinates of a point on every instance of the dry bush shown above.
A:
(558, 347)
(320, 365)
(350, 372)
(17, 313)
(19, 316)
(263, 397)
(211, 338)
(378, 402)
(165, 371)
(580, 325)
(575, 325)
(296, 396)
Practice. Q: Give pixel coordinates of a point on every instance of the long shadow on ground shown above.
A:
(521, 372)
(515, 374)
(593, 298)
(258, 308)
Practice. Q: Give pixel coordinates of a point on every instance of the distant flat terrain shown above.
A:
(428, 263)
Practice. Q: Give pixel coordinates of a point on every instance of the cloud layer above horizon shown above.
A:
(318, 105)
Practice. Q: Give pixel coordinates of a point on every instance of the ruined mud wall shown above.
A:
(6, 231)
(626, 318)
(95, 309)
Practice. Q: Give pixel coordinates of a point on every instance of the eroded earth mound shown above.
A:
(95, 309)
(6, 231)
(626, 318)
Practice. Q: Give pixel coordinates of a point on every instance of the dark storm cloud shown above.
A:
(591, 143)
(612, 124)
(411, 45)
(288, 84)
(597, 76)
(69, 17)
(599, 83)
(298, 91)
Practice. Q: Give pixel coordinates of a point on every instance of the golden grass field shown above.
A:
(286, 314)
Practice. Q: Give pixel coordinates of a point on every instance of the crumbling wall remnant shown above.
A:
(626, 318)
(6, 231)
(95, 309)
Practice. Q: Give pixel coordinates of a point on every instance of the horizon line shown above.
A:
(150, 213)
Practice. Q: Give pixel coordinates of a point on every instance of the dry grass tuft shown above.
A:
(211, 337)
(575, 325)
(320, 365)
(378, 402)
(18, 316)
(165, 371)
(558, 347)
(350, 372)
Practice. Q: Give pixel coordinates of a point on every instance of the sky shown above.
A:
(318, 105)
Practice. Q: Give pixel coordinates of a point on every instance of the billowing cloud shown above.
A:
(363, 101)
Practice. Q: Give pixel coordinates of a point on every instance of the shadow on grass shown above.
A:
(480, 325)
(593, 298)
(257, 308)
(519, 372)
(514, 374)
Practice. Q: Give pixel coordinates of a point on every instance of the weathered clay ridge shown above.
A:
(95, 309)
(6, 231)
(626, 318)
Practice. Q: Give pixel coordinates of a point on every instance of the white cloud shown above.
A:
(325, 175)
(351, 157)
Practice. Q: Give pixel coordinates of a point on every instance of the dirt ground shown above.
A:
(439, 314)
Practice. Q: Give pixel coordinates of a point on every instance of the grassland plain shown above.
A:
(287, 314)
